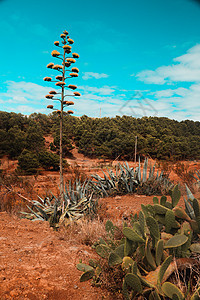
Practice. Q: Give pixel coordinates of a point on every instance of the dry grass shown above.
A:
(84, 231)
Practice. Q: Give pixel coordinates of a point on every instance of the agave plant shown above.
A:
(78, 202)
(123, 180)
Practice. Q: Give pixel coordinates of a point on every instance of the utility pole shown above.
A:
(135, 147)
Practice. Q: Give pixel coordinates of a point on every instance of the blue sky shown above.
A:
(137, 57)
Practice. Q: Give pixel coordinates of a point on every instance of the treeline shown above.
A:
(161, 138)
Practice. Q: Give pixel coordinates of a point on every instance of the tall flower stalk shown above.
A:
(67, 58)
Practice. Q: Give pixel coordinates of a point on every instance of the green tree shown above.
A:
(48, 160)
(28, 162)
(34, 138)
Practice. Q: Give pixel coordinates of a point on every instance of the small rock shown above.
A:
(75, 287)
(118, 198)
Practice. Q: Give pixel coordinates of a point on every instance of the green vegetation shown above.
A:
(124, 180)
(162, 239)
(111, 138)
(159, 138)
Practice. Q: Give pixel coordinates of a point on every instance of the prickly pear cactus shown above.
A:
(145, 255)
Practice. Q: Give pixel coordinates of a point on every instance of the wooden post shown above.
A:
(135, 148)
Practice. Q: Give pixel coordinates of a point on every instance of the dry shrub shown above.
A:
(186, 176)
(9, 200)
(78, 173)
(84, 231)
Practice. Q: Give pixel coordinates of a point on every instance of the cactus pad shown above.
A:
(103, 250)
(132, 235)
(195, 247)
(134, 282)
(176, 195)
(114, 259)
(159, 251)
(176, 241)
(170, 289)
(127, 264)
(87, 275)
(153, 227)
(84, 267)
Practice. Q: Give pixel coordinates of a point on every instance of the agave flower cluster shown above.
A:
(67, 58)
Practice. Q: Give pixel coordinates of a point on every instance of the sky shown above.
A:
(137, 57)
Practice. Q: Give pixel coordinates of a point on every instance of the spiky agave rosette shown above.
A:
(78, 203)
(123, 180)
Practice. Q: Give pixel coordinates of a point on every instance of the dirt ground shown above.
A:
(36, 262)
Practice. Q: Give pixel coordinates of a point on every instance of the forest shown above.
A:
(22, 138)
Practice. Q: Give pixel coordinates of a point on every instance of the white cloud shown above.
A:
(105, 90)
(89, 75)
(180, 103)
(185, 69)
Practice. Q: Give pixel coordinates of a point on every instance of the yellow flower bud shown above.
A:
(50, 65)
(73, 74)
(70, 41)
(57, 67)
(60, 83)
(71, 86)
(68, 102)
(67, 47)
(52, 92)
(50, 106)
(77, 94)
(67, 64)
(56, 43)
(59, 77)
(55, 53)
(63, 35)
(71, 60)
(75, 55)
(47, 79)
(49, 96)
(74, 69)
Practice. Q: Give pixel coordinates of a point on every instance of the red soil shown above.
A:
(35, 261)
